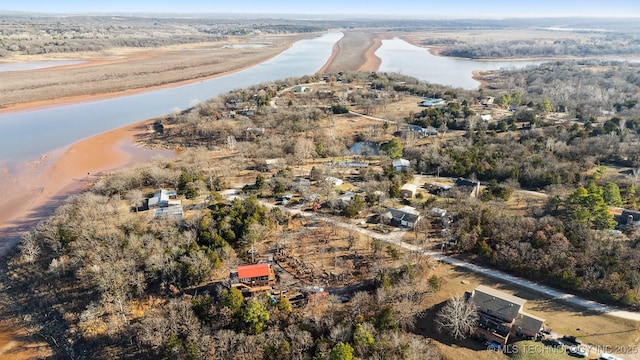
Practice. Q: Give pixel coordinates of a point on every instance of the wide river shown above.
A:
(29, 135)
(401, 57)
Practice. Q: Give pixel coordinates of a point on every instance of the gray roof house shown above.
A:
(500, 314)
(403, 217)
(300, 184)
(401, 164)
(162, 198)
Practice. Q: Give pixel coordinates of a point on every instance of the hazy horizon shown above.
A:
(373, 8)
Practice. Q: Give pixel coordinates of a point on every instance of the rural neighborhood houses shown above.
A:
(487, 100)
(421, 131)
(501, 314)
(165, 203)
(629, 217)
(473, 187)
(162, 198)
(404, 217)
(334, 181)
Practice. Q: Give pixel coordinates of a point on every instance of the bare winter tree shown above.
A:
(29, 248)
(458, 317)
(135, 198)
(636, 174)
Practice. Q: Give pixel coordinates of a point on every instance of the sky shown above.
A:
(411, 8)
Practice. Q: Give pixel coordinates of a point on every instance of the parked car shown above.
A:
(577, 351)
(571, 340)
(555, 343)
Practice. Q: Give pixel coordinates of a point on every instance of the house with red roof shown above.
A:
(256, 277)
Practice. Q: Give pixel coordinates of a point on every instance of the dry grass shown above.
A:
(590, 327)
(120, 70)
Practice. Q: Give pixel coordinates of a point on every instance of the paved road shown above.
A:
(395, 238)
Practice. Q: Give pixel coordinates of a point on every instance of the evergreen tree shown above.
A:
(611, 194)
(341, 351)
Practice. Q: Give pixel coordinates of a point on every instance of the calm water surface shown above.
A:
(27, 135)
(401, 57)
(32, 65)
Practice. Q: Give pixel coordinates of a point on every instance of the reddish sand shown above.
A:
(70, 100)
(373, 62)
(38, 188)
(35, 190)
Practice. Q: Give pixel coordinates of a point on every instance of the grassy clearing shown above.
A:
(590, 327)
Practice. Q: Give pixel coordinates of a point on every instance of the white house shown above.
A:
(401, 164)
(486, 117)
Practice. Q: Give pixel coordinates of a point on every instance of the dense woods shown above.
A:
(613, 44)
(117, 288)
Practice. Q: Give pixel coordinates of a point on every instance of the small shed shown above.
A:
(407, 191)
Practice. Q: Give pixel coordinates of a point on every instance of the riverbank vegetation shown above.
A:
(101, 279)
(32, 35)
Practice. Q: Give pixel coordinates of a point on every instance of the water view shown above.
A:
(33, 65)
(401, 57)
(25, 135)
(29, 134)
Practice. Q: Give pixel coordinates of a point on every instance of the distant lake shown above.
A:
(33, 65)
(30, 134)
(401, 57)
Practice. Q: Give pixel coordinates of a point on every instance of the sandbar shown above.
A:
(35, 190)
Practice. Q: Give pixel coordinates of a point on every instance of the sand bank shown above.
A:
(128, 73)
(35, 190)
(372, 62)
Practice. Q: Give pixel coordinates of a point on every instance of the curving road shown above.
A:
(395, 238)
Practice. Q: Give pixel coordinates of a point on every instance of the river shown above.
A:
(33, 65)
(28, 135)
(401, 57)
